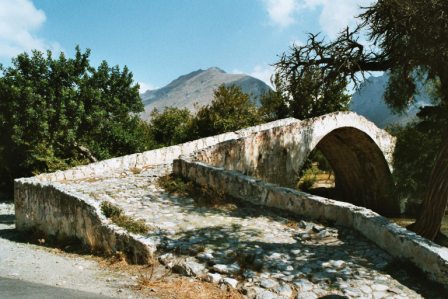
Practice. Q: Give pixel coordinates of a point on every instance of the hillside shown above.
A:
(368, 101)
(197, 87)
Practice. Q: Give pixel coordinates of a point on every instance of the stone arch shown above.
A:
(362, 173)
(359, 152)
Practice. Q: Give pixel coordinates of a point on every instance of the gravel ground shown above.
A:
(32, 271)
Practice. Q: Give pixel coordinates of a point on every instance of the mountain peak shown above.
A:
(215, 69)
(198, 87)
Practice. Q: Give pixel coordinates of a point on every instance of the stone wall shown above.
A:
(52, 210)
(154, 157)
(399, 242)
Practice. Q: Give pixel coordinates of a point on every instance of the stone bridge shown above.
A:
(359, 152)
(67, 204)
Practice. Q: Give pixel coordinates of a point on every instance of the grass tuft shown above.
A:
(118, 217)
(202, 195)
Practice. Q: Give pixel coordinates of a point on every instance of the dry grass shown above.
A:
(185, 288)
(292, 224)
(156, 280)
(135, 170)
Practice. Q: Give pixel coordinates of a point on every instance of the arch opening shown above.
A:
(361, 173)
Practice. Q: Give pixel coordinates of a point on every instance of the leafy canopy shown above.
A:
(230, 110)
(60, 112)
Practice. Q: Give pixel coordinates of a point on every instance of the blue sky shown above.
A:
(160, 40)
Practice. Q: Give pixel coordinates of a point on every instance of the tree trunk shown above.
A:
(434, 205)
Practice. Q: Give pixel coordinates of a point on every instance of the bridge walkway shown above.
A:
(264, 253)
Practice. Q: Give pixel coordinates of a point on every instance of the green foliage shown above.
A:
(308, 177)
(109, 210)
(230, 110)
(51, 110)
(176, 185)
(172, 126)
(311, 94)
(416, 150)
(273, 103)
(411, 35)
(116, 215)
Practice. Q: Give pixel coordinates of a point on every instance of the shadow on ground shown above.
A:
(232, 245)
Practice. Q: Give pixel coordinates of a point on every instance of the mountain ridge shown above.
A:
(368, 101)
(197, 87)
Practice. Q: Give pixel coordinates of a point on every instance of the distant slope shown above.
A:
(198, 87)
(369, 102)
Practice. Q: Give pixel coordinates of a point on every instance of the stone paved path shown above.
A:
(264, 253)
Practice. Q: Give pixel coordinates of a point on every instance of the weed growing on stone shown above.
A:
(176, 185)
(202, 195)
(118, 217)
(136, 170)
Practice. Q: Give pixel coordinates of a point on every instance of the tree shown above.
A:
(172, 126)
(273, 103)
(230, 110)
(310, 94)
(56, 113)
(408, 38)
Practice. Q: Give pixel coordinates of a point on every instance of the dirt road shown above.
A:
(32, 271)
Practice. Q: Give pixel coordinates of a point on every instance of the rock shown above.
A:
(296, 251)
(268, 283)
(226, 269)
(318, 228)
(265, 294)
(284, 290)
(338, 264)
(189, 267)
(365, 289)
(213, 277)
(304, 285)
(379, 295)
(287, 278)
(306, 295)
(321, 276)
(167, 259)
(305, 236)
(303, 224)
(307, 270)
(249, 274)
(379, 287)
(205, 256)
(230, 282)
(323, 234)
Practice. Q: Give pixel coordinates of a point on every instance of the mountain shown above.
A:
(197, 87)
(368, 101)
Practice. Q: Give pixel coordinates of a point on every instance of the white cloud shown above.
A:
(334, 15)
(281, 12)
(19, 19)
(146, 86)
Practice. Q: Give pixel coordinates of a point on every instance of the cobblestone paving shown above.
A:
(263, 253)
